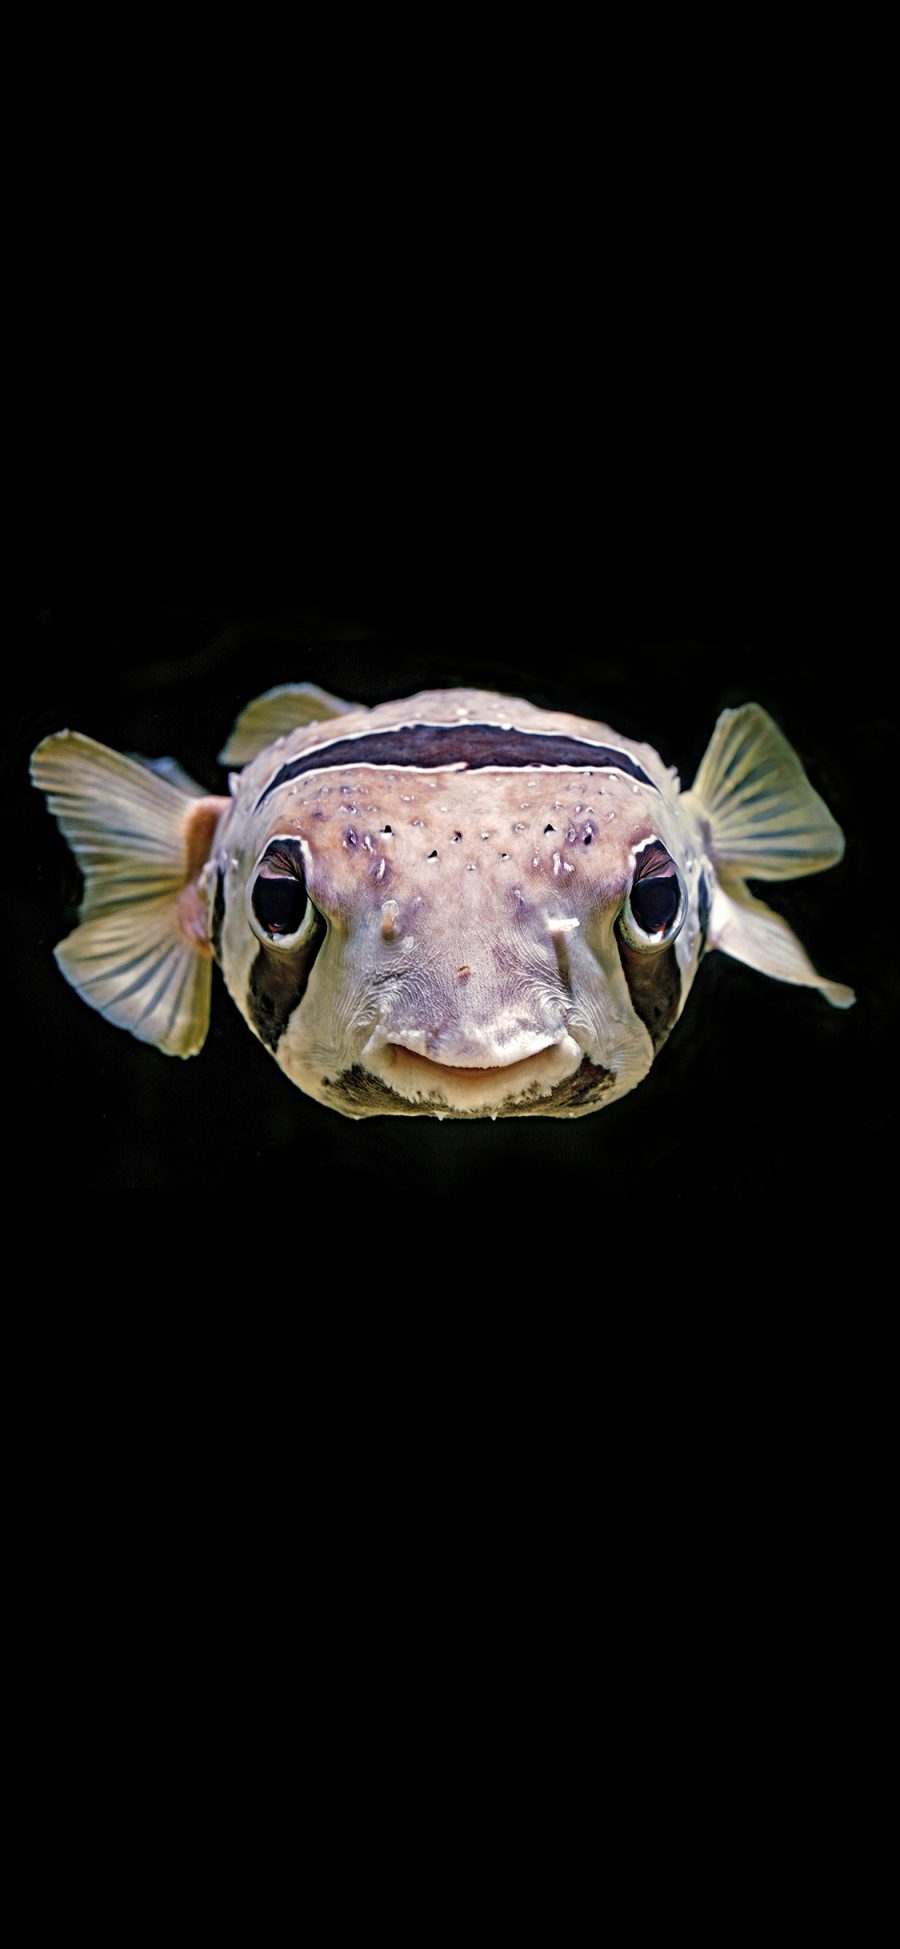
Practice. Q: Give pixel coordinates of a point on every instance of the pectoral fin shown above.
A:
(276, 713)
(140, 953)
(763, 819)
(759, 818)
(749, 931)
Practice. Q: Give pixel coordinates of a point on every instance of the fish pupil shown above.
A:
(654, 904)
(279, 904)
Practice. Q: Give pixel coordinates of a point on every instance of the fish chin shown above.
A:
(473, 1083)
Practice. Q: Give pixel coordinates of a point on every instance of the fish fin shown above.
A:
(140, 953)
(286, 708)
(749, 931)
(170, 769)
(764, 820)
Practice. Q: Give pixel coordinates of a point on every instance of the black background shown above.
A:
(402, 1397)
(767, 1108)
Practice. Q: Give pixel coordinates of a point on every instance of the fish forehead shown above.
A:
(460, 840)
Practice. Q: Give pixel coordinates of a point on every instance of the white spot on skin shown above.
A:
(380, 874)
(563, 924)
(389, 913)
(567, 868)
(557, 863)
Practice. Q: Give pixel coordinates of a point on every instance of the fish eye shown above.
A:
(657, 905)
(278, 906)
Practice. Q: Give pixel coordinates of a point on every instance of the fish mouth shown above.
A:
(469, 1083)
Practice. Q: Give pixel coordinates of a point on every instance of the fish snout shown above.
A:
(471, 1068)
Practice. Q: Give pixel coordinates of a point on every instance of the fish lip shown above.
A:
(466, 1082)
(412, 1045)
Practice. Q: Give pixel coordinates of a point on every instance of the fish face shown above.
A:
(455, 943)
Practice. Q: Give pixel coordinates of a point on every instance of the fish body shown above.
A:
(454, 905)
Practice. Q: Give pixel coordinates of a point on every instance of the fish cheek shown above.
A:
(278, 984)
(654, 984)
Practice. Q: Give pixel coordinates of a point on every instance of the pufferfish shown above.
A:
(456, 905)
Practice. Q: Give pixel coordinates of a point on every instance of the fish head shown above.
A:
(461, 944)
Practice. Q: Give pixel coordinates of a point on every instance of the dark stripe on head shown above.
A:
(430, 746)
(278, 985)
(703, 910)
(654, 984)
(218, 915)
